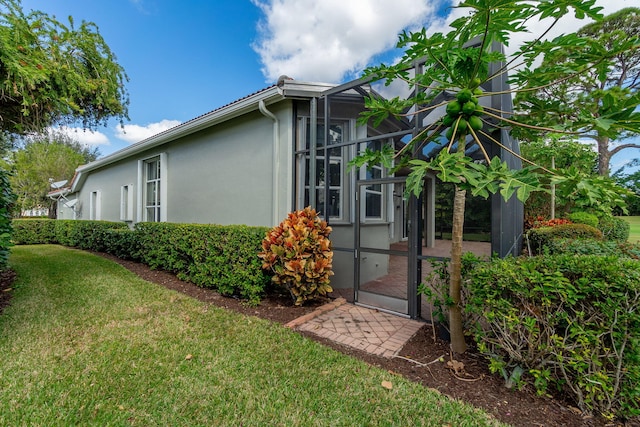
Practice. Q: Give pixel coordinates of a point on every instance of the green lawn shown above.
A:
(634, 232)
(86, 342)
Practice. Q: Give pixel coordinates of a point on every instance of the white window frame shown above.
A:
(126, 202)
(142, 185)
(95, 205)
(366, 190)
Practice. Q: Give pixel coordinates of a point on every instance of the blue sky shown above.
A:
(185, 58)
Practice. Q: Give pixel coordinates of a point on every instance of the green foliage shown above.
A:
(298, 253)
(541, 238)
(34, 231)
(122, 243)
(52, 73)
(598, 96)
(224, 258)
(580, 217)
(435, 287)
(586, 192)
(568, 321)
(560, 153)
(88, 235)
(40, 159)
(594, 247)
(457, 64)
(7, 198)
(614, 228)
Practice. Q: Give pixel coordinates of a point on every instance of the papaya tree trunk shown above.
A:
(456, 329)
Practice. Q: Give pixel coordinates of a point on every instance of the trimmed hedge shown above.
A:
(594, 247)
(564, 322)
(87, 235)
(614, 228)
(540, 239)
(34, 231)
(224, 258)
(580, 217)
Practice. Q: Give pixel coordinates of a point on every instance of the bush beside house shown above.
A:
(223, 258)
(563, 323)
(298, 254)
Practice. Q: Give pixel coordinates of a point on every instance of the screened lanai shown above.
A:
(383, 239)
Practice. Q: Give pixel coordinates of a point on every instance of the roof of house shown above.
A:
(286, 88)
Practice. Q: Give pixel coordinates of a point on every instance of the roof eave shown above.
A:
(289, 89)
(244, 106)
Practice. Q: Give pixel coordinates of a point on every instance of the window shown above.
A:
(373, 196)
(152, 189)
(328, 183)
(126, 202)
(94, 206)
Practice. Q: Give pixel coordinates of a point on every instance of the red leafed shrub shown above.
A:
(299, 254)
(541, 222)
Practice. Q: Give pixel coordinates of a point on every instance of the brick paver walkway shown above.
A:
(362, 328)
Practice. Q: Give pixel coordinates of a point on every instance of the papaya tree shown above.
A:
(450, 86)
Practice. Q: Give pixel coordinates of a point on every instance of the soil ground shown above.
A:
(476, 385)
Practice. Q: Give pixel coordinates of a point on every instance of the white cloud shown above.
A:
(136, 133)
(331, 40)
(84, 137)
(567, 24)
(327, 40)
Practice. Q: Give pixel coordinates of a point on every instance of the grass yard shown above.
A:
(85, 342)
(634, 232)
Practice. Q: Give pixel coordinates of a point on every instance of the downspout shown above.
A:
(276, 160)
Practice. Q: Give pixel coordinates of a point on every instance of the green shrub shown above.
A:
(614, 228)
(7, 198)
(123, 243)
(298, 253)
(584, 218)
(594, 247)
(88, 235)
(564, 322)
(223, 258)
(540, 239)
(34, 231)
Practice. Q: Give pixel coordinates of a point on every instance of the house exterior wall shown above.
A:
(220, 175)
(64, 211)
(107, 183)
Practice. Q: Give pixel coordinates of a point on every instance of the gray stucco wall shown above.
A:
(221, 175)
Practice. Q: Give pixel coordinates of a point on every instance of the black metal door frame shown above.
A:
(409, 307)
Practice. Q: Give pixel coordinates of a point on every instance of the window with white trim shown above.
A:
(126, 202)
(152, 189)
(373, 196)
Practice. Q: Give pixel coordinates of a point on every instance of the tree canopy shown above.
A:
(42, 159)
(599, 97)
(55, 73)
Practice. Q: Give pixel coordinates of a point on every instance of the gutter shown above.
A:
(276, 159)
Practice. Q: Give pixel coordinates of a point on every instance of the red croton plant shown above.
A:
(299, 254)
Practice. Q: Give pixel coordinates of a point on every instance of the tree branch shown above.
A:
(622, 147)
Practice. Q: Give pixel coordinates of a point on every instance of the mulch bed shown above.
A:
(474, 384)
